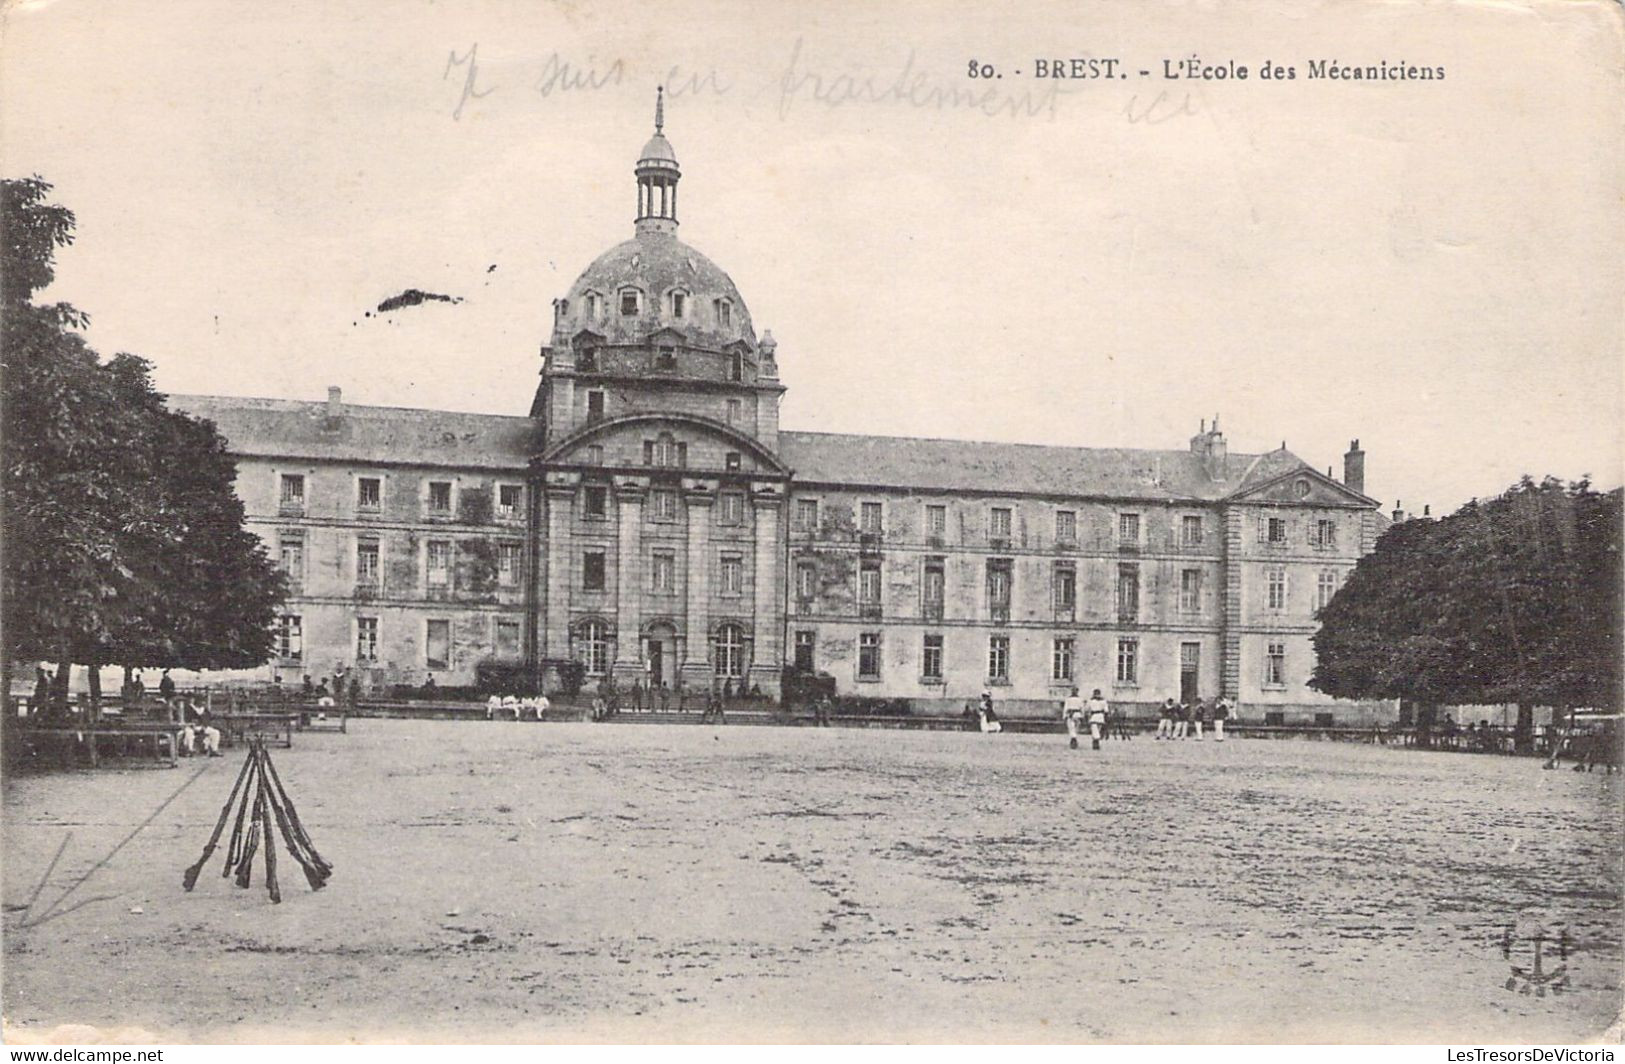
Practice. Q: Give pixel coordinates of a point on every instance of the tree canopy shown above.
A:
(1513, 599)
(125, 540)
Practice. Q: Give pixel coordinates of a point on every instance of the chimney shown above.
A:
(335, 401)
(1209, 446)
(1399, 511)
(1354, 468)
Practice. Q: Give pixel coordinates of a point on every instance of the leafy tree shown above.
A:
(1514, 599)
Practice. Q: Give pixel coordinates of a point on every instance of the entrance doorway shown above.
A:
(1190, 672)
(659, 650)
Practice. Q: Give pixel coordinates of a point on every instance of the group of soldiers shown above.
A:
(1176, 720)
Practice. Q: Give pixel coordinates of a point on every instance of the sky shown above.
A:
(1434, 267)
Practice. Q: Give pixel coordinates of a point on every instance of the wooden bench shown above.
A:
(240, 727)
(166, 736)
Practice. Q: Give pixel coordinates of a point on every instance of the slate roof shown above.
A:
(283, 428)
(1021, 468)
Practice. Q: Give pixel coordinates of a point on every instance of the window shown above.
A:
(595, 500)
(1277, 589)
(1325, 587)
(437, 644)
(587, 360)
(662, 572)
(1128, 530)
(366, 639)
(1190, 530)
(869, 583)
(509, 563)
(736, 411)
(807, 515)
(293, 490)
(729, 656)
(629, 302)
(594, 305)
(1061, 661)
(595, 406)
(366, 562)
(732, 574)
(804, 644)
(439, 562)
(592, 647)
(679, 305)
(592, 570)
(1066, 526)
(291, 559)
(936, 520)
(666, 358)
(595, 454)
(733, 508)
(730, 461)
(1128, 592)
(736, 367)
(1190, 591)
(932, 588)
(369, 494)
(1065, 589)
(1275, 665)
(806, 581)
(290, 637)
(511, 497)
(665, 504)
(1272, 529)
(1324, 534)
(440, 497)
(1128, 662)
(724, 311)
(871, 519)
(664, 451)
(998, 588)
(998, 658)
(998, 523)
(507, 639)
(869, 656)
(931, 659)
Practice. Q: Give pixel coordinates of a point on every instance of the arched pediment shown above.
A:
(577, 441)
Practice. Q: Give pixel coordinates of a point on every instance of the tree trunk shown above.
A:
(59, 687)
(95, 712)
(1523, 735)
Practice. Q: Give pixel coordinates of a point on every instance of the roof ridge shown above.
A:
(321, 404)
(995, 443)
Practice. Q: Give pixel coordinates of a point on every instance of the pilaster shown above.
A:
(700, 497)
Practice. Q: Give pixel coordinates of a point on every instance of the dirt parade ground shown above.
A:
(515, 882)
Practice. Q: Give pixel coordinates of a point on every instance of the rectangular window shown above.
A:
(587, 360)
(679, 305)
(1190, 591)
(667, 358)
(807, 515)
(366, 639)
(292, 560)
(736, 411)
(806, 581)
(662, 573)
(998, 523)
(648, 452)
(933, 589)
(1128, 661)
(936, 520)
(592, 570)
(724, 313)
(1324, 534)
(732, 573)
(366, 562)
(1128, 592)
(1272, 530)
(595, 454)
(998, 588)
(1066, 588)
(869, 656)
(732, 510)
(439, 571)
(665, 504)
(805, 642)
(1275, 665)
(293, 489)
(595, 406)
(507, 639)
(998, 658)
(1066, 526)
(1277, 589)
(629, 303)
(437, 644)
(872, 520)
(369, 493)
(931, 659)
(510, 561)
(730, 461)
(1190, 530)
(440, 497)
(511, 499)
(1061, 661)
(1325, 588)
(290, 637)
(1128, 530)
(869, 583)
(595, 500)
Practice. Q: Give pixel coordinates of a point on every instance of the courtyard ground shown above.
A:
(515, 882)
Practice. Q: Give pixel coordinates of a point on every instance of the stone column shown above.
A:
(696, 672)
(555, 607)
(767, 657)
(629, 582)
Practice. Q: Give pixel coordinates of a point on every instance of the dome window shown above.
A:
(667, 358)
(725, 313)
(736, 366)
(561, 309)
(593, 305)
(629, 302)
(679, 305)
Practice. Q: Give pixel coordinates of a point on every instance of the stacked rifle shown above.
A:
(263, 808)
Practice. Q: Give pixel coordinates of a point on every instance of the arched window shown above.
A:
(729, 652)
(592, 647)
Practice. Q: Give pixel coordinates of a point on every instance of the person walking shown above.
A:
(1072, 714)
(1221, 713)
(166, 686)
(1165, 720)
(988, 719)
(1098, 711)
(1182, 714)
(1199, 717)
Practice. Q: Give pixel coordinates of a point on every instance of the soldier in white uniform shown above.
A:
(1097, 710)
(1072, 714)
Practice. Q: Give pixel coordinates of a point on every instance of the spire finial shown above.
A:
(660, 107)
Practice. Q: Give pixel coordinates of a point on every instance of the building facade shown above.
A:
(649, 519)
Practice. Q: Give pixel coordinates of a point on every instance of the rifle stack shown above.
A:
(263, 810)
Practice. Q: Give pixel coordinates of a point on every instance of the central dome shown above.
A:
(652, 281)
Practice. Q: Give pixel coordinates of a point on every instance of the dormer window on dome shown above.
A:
(631, 302)
(679, 304)
(725, 313)
(593, 304)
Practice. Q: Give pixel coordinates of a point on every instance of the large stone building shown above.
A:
(650, 519)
